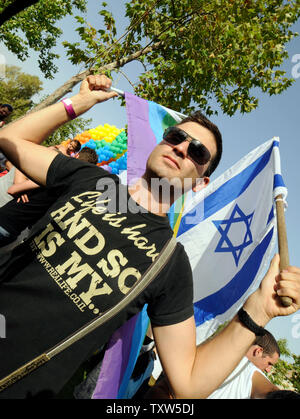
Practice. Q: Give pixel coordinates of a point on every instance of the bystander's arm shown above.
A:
(261, 386)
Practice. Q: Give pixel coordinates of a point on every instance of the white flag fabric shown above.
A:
(229, 231)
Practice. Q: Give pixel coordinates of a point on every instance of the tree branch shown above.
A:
(15, 8)
(73, 81)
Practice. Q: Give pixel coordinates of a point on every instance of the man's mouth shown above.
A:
(171, 161)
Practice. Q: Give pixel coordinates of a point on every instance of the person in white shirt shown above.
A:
(248, 379)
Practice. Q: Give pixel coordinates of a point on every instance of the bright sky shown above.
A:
(275, 116)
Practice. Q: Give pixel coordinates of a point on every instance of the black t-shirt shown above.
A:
(81, 258)
(17, 216)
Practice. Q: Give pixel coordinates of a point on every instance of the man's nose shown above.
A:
(182, 148)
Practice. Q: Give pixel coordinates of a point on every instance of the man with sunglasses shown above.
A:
(184, 160)
(81, 259)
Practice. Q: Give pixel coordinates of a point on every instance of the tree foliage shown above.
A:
(68, 131)
(18, 89)
(194, 52)
(286, 374)
(35, 28)
(12, 8)
(201, 51)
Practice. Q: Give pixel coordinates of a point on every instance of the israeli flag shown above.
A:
(229, 231)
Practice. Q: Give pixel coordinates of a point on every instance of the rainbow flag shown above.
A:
(120, 358)
(147, 122)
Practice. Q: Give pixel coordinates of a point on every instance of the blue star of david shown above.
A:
(225, 244)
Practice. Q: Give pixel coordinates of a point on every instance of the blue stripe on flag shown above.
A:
(220, 301)
(156, 116)
(228, 192)
(278, 181)
(137, 339)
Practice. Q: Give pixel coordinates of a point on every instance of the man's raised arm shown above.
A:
(20, 140)
(195, 372)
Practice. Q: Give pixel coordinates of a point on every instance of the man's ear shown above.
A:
(258, 351)
(201, 183)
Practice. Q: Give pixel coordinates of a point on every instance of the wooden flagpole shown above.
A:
(282, 242)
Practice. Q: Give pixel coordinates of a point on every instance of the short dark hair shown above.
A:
(282, 394)
(77, 145)
(6, 105)
(89, 155)
(201, 119)
(268, 343)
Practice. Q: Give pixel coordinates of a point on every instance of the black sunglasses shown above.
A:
(196, 150)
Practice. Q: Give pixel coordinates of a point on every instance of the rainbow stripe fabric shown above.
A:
(147, 122)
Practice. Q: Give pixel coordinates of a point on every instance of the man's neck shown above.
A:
(151, 197)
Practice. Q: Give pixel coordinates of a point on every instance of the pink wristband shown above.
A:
(69, 108)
